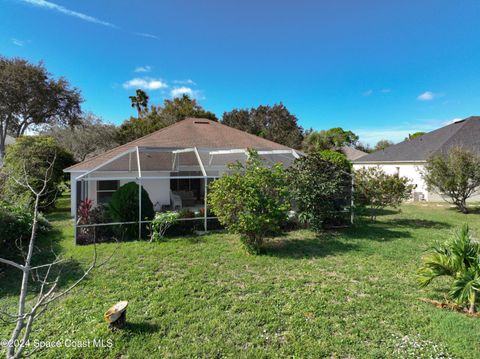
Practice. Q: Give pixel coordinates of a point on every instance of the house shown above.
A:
(174, 164)
(351, 153)
(8, 141)
(408, 158)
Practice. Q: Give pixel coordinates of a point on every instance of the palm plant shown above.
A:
(458, 258)
(140, 101)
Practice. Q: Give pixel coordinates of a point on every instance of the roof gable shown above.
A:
(464, 133)
(191, 132)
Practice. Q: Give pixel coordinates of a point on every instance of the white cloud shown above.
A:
(145, 83)
(52, 6)
(184, 82)
(426, 96)
(368, 93)
(147, 35)
(18, 42)
(385, 90)
(146, 68)
(179, 91)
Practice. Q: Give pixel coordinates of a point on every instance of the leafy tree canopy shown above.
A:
(183, 107)
(337, 158)
(376, 189)
(382, 144)
(320, 189)
(139, 101)
(331, 139)
(414, 135)
(252, 201)
(455, 175)
(158, 117)
(28, 159)
(275, 123)
(88, 138)
(30, 97)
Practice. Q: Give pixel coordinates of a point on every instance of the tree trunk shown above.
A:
(471, 309)
(24, 290)
(462, 206)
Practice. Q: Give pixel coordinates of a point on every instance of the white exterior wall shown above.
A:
(413, 172)
(409, 170)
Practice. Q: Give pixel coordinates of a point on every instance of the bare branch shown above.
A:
(13, 264)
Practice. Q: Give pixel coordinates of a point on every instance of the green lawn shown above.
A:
(346, 294)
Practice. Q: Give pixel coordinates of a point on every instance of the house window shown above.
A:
(105, 190)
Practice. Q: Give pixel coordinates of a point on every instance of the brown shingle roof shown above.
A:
(191, 132)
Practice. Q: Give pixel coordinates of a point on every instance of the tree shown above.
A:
(455, 175)
(152, 120)
(183, 107)
(365, 147)
(252, 201)
(158, 117)
(320, 190)
(124, 207)
(382, 144)
(376, 189)
(458, 258)
(332, 139)
(275, 123)
(43, 274)
(30, 97)
(414, 135)
(337, 158)
(139, 101)
(89, 138)
(28, 158)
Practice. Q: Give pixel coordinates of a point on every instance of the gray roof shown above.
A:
(465, 133)
(352, 153)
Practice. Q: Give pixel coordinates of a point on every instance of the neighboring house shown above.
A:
(8, 141)
(408, 158)
(173, 164)
(352, 154)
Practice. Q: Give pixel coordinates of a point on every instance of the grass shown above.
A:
(345, 294)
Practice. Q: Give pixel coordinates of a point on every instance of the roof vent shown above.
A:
(202, 122)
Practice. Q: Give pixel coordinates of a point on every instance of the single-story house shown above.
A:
(9, 140)
(174, 164)
(351, 153)
(408, 158)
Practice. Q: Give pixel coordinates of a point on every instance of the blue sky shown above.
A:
(380, 68)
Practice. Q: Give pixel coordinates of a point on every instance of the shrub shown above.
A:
(320, 191)
(251, 201)
(16, 227)
(455, 175)
(376, 189)
(98, 215)
(28, 159)
(160, 223)
(458, 258)
(123, 207)
(337, 158)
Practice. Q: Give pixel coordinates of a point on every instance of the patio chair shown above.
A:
(175, 200)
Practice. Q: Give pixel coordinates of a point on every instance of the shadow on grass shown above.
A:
(141, 328)
(418, 223)
(305, 247)
(46, 250)
(379, 232)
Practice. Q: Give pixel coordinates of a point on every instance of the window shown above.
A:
(105, 190)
